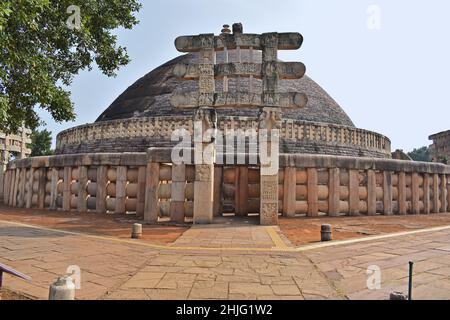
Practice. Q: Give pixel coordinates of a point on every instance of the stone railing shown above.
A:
(88, 182)
(315, 185)
(138, 134)
(151, 186)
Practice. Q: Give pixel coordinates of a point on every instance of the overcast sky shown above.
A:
(389, 72)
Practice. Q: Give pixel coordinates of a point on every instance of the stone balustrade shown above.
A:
(137, 134)
(149, 185)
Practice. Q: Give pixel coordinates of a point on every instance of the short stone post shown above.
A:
(136, 232)
(398, 296)
(62, 289)
(325, 232)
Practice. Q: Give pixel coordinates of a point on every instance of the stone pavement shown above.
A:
(233, 232)
(346, 266)
(114, 268)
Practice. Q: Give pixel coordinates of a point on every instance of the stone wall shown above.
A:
(149, 185)
(137, 135)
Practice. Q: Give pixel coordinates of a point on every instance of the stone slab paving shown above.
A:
(118, 269)
(346, 266)
(125, 270)
(233, 233)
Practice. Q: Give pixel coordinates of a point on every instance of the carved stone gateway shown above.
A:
(269, 101)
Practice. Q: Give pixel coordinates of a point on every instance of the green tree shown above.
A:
(42, 47)
(421, 154)
(41, 143)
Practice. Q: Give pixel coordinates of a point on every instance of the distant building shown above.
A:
(440, 149)
(15, 145)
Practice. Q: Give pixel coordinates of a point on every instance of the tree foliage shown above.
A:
(40, 53)
(421, 154)
(41, 143)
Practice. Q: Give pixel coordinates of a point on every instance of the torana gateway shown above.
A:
(123, 163)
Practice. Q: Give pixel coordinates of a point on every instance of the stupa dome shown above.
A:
(143, 116)
(150, 96)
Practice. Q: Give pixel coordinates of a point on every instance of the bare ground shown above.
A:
(307, 230)
(92, 223)
(298, 230)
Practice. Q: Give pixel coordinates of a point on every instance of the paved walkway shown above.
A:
(229, 233)
(114, 268)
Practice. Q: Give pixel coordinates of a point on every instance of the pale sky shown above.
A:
(393, 80)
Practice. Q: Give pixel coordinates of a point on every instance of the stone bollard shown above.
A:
(325, 232)
(62, 289)
(397, 296)
(137, 231)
